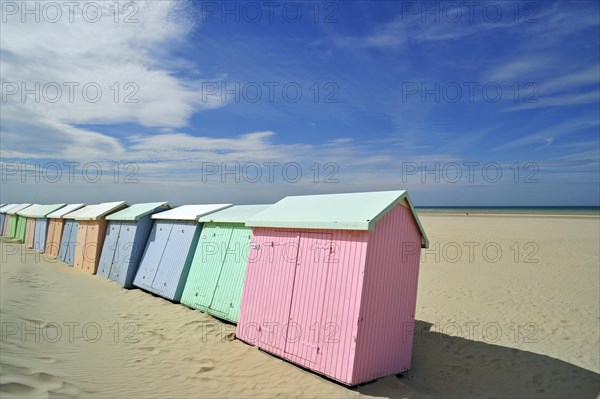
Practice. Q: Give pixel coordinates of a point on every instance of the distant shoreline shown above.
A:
(511, 211)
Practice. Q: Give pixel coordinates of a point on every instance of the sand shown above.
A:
(504, 320)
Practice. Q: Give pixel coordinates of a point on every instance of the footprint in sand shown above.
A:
(229, 336)
(15, 389)
(47, 359)
(151, 350)
(202, 365)
(23, 382)
(193, 323)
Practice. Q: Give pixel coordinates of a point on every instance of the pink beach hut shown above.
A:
(331, 283)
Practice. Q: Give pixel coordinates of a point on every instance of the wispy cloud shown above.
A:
(587, 97)
(547, 136)
(569, 88)
(521, 69)
(560, 20)
(402, 30)
(582, 77)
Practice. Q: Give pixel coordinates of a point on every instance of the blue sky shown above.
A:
(501, 101)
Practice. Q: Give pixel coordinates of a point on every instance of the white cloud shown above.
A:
(558, 20)
(520, 70)
(26, 134)
(123, 60)
(547, 136)
(570, 81)
(562, 100)
(402, 29)
(128, 62)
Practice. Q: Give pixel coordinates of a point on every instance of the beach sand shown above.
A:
(507, 307)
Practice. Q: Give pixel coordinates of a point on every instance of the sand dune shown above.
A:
(488, 325)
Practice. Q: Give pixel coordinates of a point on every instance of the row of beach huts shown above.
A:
(328, 282)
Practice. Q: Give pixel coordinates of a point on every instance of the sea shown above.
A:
(542, 210)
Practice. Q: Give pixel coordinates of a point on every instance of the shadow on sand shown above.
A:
(446, 366)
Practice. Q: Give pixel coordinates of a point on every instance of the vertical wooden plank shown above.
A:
(29, 233)
(94, 241)
(54, 237)
(228, 293)
(303, 336)
(41, 234)
(153, 253)
(132, 244)
(21, 227)
(110, 249)
(384, 342)
(80, 244)
(267, 289)
(206, 266)
(69, 241)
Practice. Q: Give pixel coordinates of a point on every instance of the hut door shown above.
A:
(271, 262)
(157, 242)
(303, 339)
(66, 245)
(228, 289)
(206, 265)
(174, 258)
(41, 232)
(50, 236)
(80, 248)
(30, 233)
(37, 232)
(96, 230)
(21, 223)
(125, 248)
(59, 224)
(12, 225)
(110, 250)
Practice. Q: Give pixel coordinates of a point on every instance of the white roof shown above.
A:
(98, 211)
(137, 211)
(348, 211)
(75, 213)
(190, 212)
(24, 211)
(40, 211)
(7, 208)
(17, 208)
(235, 214)
(63, 211)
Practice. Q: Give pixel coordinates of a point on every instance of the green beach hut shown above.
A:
(22, 217)
(17, 223)
(4, 216)
(214, 284)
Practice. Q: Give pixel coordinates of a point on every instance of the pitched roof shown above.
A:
(63, 211)
(136, 211)
(97, 211)
(349, 211)
(40, 211)
(189, 212)
(17, 208)
(235, 214)
(7, 207)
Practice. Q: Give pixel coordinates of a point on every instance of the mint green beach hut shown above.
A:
(214, 284)
(16, 223)
(4, 217)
